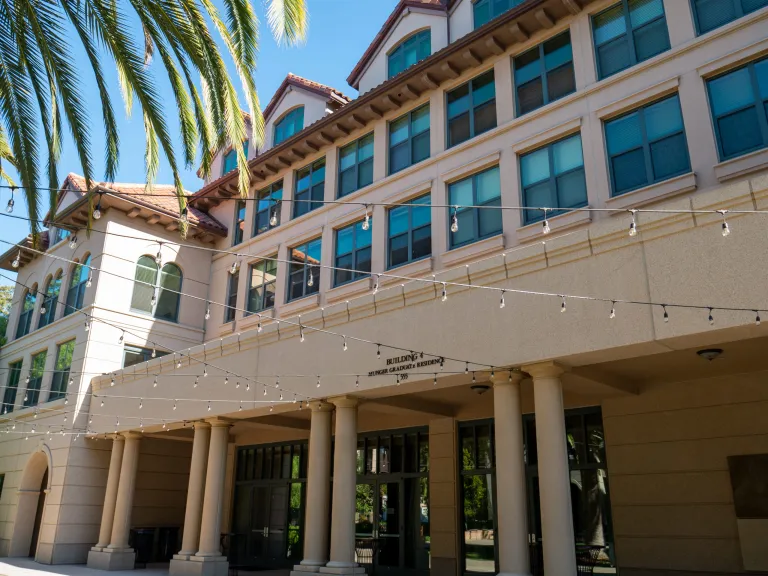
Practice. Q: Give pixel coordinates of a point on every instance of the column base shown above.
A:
(342, 570)
(199, 566)
(302, 570)
(111, 558)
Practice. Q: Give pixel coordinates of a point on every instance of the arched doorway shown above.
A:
(35, 484)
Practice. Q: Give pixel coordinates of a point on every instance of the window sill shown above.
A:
(299, 305)
(348, 290)
(252, 319)
(654, 192)
(742, 165)
(416, 269)
(559, 222)
(29, 411)
(472, 251)
(473, 167)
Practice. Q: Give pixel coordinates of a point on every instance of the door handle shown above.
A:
(266, 532)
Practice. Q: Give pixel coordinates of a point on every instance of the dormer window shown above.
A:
(230, 158)
(410, 51)
(289, 125)
(61, 234)
(487, 10)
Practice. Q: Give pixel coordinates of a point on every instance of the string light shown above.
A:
(178, 362)
(725, 227)
(434, 380)
(378, 351)
(11, 202)
(265, 390)
(247, 386)
(376, 285)
(226, 380)
(757, 318)
(17, 261)
(318, 382)
(711, 318)
(141, 404)
(184, 216)
(562, 306)
(613, 311)
(154, 384)
(122, 337)
(502, 304)
(455, 220)
(301, 333)
(357, 382)
(666, 314)
(367, 221)
(273, 217)
(473, 378)
(205, 371)
(73, 241)
(89, 282)
(42, 307)
(208, 311)
(444, 297)
(97, 210)
(545, 225)
(466, 368)
(153, 300)
(159, 255)
(633, 224)
(112, 380)
(234, 268)
(174, 404)
(258, 326)
(87, 326)
(311, 280)
(197, 381)
(344, 348)
(209, 405)
(154, 352)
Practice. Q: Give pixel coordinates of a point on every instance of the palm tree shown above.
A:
(39, 83)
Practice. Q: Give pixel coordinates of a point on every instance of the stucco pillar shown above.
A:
(344, 493)
(214, 490)
(197, 470)
(554, 476)
(110, 497)
(511, 499)
(125, 492)
(318, 490)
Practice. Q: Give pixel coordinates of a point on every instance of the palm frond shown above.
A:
(288, 20)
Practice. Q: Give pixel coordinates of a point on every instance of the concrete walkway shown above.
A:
(28, 567)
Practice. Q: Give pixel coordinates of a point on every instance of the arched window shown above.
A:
(410, 51)
(230, 158)
(157, 292)
(77, 285)
(27, 308)
(144, 285)
(288, 125)
(50, 301)
(169, 293)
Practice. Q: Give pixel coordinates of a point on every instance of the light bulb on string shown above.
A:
(11, 202)
(122, 337)
(434, 380)
(17, 261)
(208, 311)
(376, 285)
(545, 225)
(612, 315)
(112, 380)
(226, 380)
(205, 371)
(97, 210)
(42, 308)
(265, 389)
(141, 403)
(444, 296)
(311, 279)
(89, 282)
(666, 314)
(234, 268)
(66, 398)
(154, 352)
(258, 326)
(247, 386)
(301, 333)
(159, 255)
(344, 347)
(455, 220)
(726, 229)
(154, 384)
(237, 384)
(757, 317)
(153, 300)
(197, 381)
(178, 362)
(102, 402)
(271, 407)
(273, 218)
(281, 396)
(378, 351)
(711, 318)
(502, 303)
(562, 306)
(174, 404)
(73, 241)
(357, 382)
(397, 379)
(466, 368)
(367, 221)
(209, 405)
(633, 224)
(318, 382)
(87, 327)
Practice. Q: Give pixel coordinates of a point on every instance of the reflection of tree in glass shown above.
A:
(364, 509)
(475, 497)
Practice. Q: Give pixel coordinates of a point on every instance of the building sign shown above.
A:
(401, 364)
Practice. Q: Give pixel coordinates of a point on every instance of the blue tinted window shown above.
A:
(356, 165)
(474, 216)
(230, 158)
(711, 14)
(409, 139)
(410, 51)
(647, 146)
(353, 252)
(486, 10)
(410, 232)
(304, 271)
(289, 125)
(739, 103)
(310, 188)
(269, 204)
(471, 108)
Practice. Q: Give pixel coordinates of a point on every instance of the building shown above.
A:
(483, 419)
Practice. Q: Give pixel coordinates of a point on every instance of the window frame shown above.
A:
(399, 50)
(354, 253)
(251, 287)
(239, 234)
(629, 35)
(12, 386)
(76, 292)
(531, 216)
(157, 289)
(543, 73)
(476, 236)
(475, 26)
(312, 203)
(315, 289)
(738, 9)
(50, 302)
(24, 324)
(356, 166)
(268, 192)
(32, 391)
(411, 230)
(230, 310)
(60, 380)
(758, 103)
(408, 141)
(471, 109)
(645, 145)
(146, 353)
(227, 155)
(289, 114)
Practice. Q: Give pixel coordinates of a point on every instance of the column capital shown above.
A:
(130, 435)
(320, 406)
(218, 423)
(344, 401)
(549, 369)
(202, 424)
(117, 437)
(506, 377)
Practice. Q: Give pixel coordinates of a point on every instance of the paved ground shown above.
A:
(28, 567)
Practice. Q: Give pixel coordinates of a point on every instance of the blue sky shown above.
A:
(339, 33)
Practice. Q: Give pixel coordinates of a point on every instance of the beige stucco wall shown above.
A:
(462, 19)
(443, 496)
(314, 110)
(411, 21)
(161, 483)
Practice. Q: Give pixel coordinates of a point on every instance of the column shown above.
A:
(511, 499)
(214, 491)
(125, 491)
(344, 493)
(110, 498)
(554, 476)
(318, 489)
(194, 509)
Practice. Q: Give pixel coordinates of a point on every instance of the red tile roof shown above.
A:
(438, 5)
(161, 196)
(299, 82)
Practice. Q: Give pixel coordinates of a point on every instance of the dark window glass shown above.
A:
(169, 293)
(231, 309)
(11, 386)
(27, 309)
(739, 103)
(486, 10)
(628, 33)
(544, 74)
(136, 355)
(711, 14)
(230, 158)
(353, 252)
(77, 286)
(60, 380)
(32, 394)
(289, 125)
(356, 165)
(237, 236)
(482, 189)
(269, 202)
(553, 177)
(409, 139)
(304, 272)
(261, 286)
(410, 232)
(61, 234)
(410, 51)
(471, 108)
(310, 188)
(647, 145)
